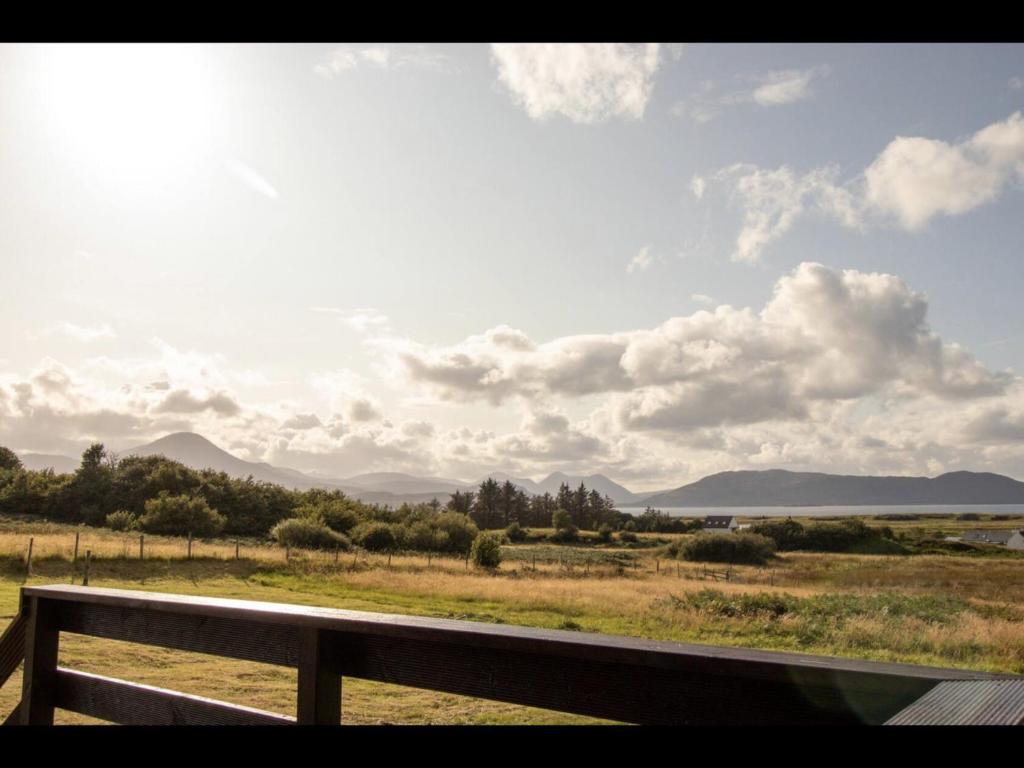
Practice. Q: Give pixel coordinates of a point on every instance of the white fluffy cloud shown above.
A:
(586, 82)
(912, 181)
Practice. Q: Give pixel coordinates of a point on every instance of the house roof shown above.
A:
(718, 521)
(989, 537)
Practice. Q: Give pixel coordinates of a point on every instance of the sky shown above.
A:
(654, 261)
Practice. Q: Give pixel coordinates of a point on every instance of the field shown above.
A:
(945, 610)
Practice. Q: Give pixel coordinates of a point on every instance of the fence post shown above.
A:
(319, 687)
(657, 565)
(190, 545)
(389, 558)
(142, 546)
(337, 554)
(28, 565)
(39, 683)
(74, 558)
(88, 560)
(236, 550)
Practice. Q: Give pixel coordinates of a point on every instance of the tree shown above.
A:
(9, 459)
(461, 502)
(487, 507)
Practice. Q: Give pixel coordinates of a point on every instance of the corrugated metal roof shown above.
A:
(718, 521)
(967, 702)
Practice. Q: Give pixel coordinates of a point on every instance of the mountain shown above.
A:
(197, 452)
(778, 487)
(603, 485)
(524, 483)
(59, 464)
(398, 482)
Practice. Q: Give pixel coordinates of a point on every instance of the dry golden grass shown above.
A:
(982, 628)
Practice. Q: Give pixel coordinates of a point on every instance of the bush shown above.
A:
(565, 535)
(604, 533)
(181, 515)
(376, 537)
(515, 533)
(122, 520)
(308, 534)
(462, 531)
(424, 537)
(750, 548)
(486, 551)
(628, 536)
(338, 515)
(787, 534)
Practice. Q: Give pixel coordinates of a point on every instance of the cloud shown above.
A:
(585, 82)
(1016, 83)
(85, 333)
(183, 401)
(768, 89)
(363, 410)
(912, 181)
(363, 320)
(703, 298)
(341, 60)
(785, 87)
(641, 260)
(825, 336)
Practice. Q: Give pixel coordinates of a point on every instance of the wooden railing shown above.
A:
(617, 678)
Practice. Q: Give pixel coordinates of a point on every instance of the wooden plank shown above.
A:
(39, 678)
(12, 647)
(319, 684)
(239, 638)
(606, 648)
(699, 692)
(119, 701)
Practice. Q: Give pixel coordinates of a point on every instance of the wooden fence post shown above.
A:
(28, 564)
(657, 565)
(319, 686)
(389, 558)
(190, 545)
(142, 546)
(39, 682)
(74, 558)
(236, 550)
(88, 560)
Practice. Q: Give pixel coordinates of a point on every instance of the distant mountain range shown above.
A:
(774, 487)
(779, 488)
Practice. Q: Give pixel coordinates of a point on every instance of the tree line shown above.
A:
(159, 495)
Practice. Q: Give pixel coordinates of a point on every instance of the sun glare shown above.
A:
(136, 113)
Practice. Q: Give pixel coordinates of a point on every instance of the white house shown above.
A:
(719, 524)
(1008, 539)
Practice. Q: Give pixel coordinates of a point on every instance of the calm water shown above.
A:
(865, 511)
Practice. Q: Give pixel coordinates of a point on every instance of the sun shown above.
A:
(131, 112)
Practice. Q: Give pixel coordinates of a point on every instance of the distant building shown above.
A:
(1010, 539)
(719, 524)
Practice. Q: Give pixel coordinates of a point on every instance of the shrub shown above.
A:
(787, 534)
(424, 537)
(461, 531)
(604, 533)
(734, 548)
(308, 534)
(376, 537)
(181, 515)
(338, 515)
(628, 536)
(630, 526)
(515, 533)
(565, 535)
(122, 520)
(486, 551)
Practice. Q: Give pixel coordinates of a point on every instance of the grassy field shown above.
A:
(943, 610)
